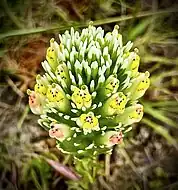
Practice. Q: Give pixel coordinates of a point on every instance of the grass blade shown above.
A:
(161, 131)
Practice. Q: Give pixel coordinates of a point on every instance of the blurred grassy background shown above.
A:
(148, 159)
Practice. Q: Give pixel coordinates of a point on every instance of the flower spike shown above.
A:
(89, 94)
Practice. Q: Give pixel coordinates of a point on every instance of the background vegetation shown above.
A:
(148, 159)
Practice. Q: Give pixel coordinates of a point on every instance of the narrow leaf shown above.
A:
(64, 170)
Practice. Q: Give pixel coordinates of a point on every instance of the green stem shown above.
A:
(87, 168)
(107, 165)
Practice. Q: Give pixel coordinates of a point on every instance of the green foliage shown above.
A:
(88, 169)
(38, 172)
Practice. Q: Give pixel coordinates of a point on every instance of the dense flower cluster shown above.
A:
(89, 93)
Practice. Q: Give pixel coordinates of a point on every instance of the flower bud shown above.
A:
(81, 97)
(88, 122)
(59, 131)
(57, 97)
(131, 63)
(52, 54)
(111, 138)
(35, 102)
(62, 74)
(139, 86)
(114, 105)
(41, 85)
(132, 114)
(111, 86)
(134, 65)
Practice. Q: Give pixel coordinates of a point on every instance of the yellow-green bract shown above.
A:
(89, 93)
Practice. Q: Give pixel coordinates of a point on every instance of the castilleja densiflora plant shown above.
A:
(88, 97)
